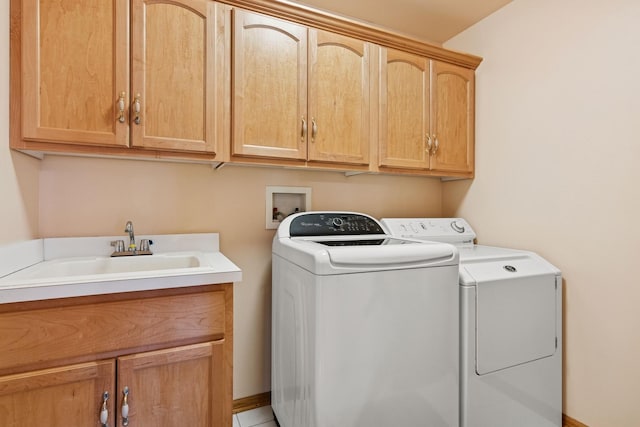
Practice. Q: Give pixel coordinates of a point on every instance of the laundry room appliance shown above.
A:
(511, 328)
(364, 327)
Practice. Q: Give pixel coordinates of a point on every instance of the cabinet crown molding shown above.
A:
(327, 21)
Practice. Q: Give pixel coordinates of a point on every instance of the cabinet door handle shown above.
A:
(125, 407)
(314, 130)
(136, 109)
(429, 144)
(121, 107)
(104, 412)
(303, 133)
(436, 144)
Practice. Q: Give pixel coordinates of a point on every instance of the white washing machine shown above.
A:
(510, 328)
(365, 326)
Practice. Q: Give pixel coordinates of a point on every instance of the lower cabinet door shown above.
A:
(58, 397)
(182, 386)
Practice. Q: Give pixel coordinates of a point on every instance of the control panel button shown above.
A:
(338, 222)
(457, 226)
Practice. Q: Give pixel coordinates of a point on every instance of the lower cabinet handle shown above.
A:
(121, 118)
(104, 412)
(303, 133)
(125, 407)
(136, 109)
(314, 130)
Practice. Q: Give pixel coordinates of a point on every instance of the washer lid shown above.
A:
(327, 243)
(318, 258)
(396, 253)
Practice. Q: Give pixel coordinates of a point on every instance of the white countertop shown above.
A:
(53, 268)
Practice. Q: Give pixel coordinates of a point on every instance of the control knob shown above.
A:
(458, 226)
(337, 222)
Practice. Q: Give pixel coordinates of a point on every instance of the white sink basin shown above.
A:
(68, 267)
(95, 266)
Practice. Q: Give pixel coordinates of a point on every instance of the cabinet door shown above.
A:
(183, 386)
(404, 110)
(452, 118)
(270, 84)
(74, 67)
(339, 107)
(58, 397)
(177, 79)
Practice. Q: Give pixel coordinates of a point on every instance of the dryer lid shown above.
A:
(516, 321)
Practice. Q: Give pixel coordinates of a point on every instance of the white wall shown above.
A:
(558, 151)
(18, 173)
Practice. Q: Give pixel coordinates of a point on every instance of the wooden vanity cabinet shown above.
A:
(78, 91)
(426, 114)
(172, 351)
(299, 94)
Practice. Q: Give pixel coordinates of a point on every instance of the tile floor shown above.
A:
(259, 417)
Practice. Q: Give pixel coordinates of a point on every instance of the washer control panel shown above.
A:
(449, 230)
(333, 224)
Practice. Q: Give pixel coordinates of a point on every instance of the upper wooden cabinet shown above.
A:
(74, 66)
(177, 80)
(266, 82)
(79, 88)
(339, 98)
(426, 114)
(404, 110)
(452, 117)
(299, 93)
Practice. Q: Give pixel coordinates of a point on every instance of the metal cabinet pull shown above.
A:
(429, 144)
(314, 130)
(121, 107)
(436, 144)
(125, 407)
(303, 133)
(104, 412)
(136, 107)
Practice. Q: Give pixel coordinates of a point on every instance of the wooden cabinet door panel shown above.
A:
(74, 66)
(452, 117)
(58, 397)
(404, 110)
(175, 55)
(270, 83)
(182, 386)
(339, 106)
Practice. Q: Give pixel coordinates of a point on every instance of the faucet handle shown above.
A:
(144, 245)
(118, 245)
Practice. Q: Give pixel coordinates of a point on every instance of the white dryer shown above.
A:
(511, 328)
(365, 326)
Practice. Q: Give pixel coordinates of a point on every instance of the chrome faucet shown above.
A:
(132, 238)
(119, 248)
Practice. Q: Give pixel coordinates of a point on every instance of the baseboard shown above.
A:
(567, 421)
(264, 399)
(252, 402)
